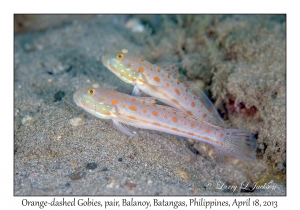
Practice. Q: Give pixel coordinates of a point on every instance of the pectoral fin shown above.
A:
(126, 129)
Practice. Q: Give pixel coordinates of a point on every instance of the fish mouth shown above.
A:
(105, 60)
(77, 100)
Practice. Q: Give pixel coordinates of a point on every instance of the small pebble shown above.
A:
(28, 47)
(211, 153)
(111, 185)
(130, 185)
(33, 176)
(76, 121)
(54, 66)
(27, 120)
(183, 174)
(135, 25)
(105, 169)
(203, 147)
(91, 166)
(200, 84)
(59, 95)
(77, 175)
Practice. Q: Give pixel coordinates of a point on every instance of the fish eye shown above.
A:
(120, 56)
(91, 91)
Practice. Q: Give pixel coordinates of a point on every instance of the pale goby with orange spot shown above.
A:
(130, 112)
(161, 81)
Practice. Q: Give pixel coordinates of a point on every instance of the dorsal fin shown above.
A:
(204, 100)
(170, 68)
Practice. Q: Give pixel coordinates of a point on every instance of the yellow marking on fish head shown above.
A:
(122, 64)
(95, 101)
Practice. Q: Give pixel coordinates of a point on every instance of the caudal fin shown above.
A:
(240, 144)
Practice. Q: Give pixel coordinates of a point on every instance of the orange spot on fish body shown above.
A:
(158, 69)
(177, 92)
(114, 101)
(204, 115)
(142, 60)
(198, 110)
(141, 69)
(192, 104)
(167, 84)
(123, 106)
(141, 80)
(156, 79)
(144, 110)
(133, 99)
(154, 113)
(203, 101)
(165, 116)
(207, 130)
(221, 134)
(190, 113)
(175, 129)
(169, 75)
(178, 82)
(175, 101)
(157, 124)
(132, 117)
(192, 125)
(148, 75)
(132, 108)
(185, 98)
(105, 112)
(175, 119)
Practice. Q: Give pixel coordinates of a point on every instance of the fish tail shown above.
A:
(240, 144)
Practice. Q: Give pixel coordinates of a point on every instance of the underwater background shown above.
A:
(238, 60)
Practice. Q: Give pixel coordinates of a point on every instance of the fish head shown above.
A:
(94, 100)
(122, 64)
